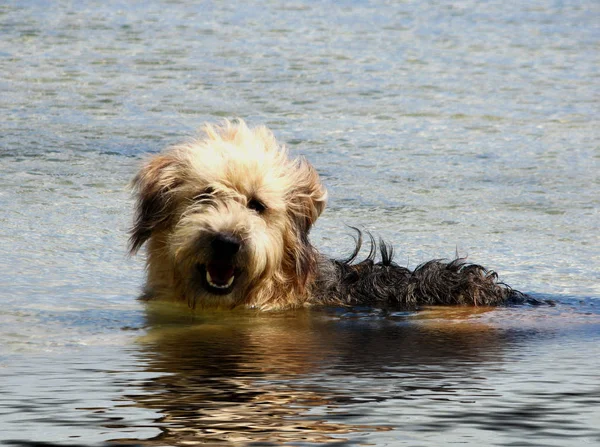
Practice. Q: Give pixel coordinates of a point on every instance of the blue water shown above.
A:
(443, 127)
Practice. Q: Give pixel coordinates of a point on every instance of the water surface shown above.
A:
(468, 127)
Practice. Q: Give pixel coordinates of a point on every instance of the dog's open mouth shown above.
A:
(219, 277)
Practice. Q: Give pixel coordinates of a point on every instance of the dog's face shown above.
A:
(227, 218)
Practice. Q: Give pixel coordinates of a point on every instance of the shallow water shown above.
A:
(469, 127)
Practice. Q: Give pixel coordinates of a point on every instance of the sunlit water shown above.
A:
(469, 127)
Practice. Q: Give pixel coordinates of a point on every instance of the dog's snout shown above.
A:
(225, 245)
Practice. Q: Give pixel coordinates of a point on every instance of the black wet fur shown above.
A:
(387, 284)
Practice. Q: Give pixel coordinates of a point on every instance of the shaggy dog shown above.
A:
(226, 220)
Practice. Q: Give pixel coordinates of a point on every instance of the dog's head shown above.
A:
(228, 216)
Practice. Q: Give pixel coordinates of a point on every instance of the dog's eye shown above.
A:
(256, 205)
(206, 193)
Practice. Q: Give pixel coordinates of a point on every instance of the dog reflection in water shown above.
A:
(291, 377)
(226, 220)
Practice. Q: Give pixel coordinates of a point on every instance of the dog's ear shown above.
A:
(308, 197)
(306, 201)
(153, 187)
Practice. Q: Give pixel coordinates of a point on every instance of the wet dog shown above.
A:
(226, 220)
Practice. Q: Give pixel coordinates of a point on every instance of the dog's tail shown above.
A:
(437, 282)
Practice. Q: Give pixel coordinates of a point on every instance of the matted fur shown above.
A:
(226, 219)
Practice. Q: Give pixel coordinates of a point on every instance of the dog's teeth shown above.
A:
(212, 284)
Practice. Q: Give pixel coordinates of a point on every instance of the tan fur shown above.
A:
(208, 186)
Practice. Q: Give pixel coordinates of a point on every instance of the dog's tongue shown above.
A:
(220, 274)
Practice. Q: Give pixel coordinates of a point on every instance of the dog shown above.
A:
(226, 220)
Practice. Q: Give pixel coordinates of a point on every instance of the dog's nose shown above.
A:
(225, 245)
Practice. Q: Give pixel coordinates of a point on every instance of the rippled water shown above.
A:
(468, 127)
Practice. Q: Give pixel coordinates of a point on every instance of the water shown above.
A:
(468, 127)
